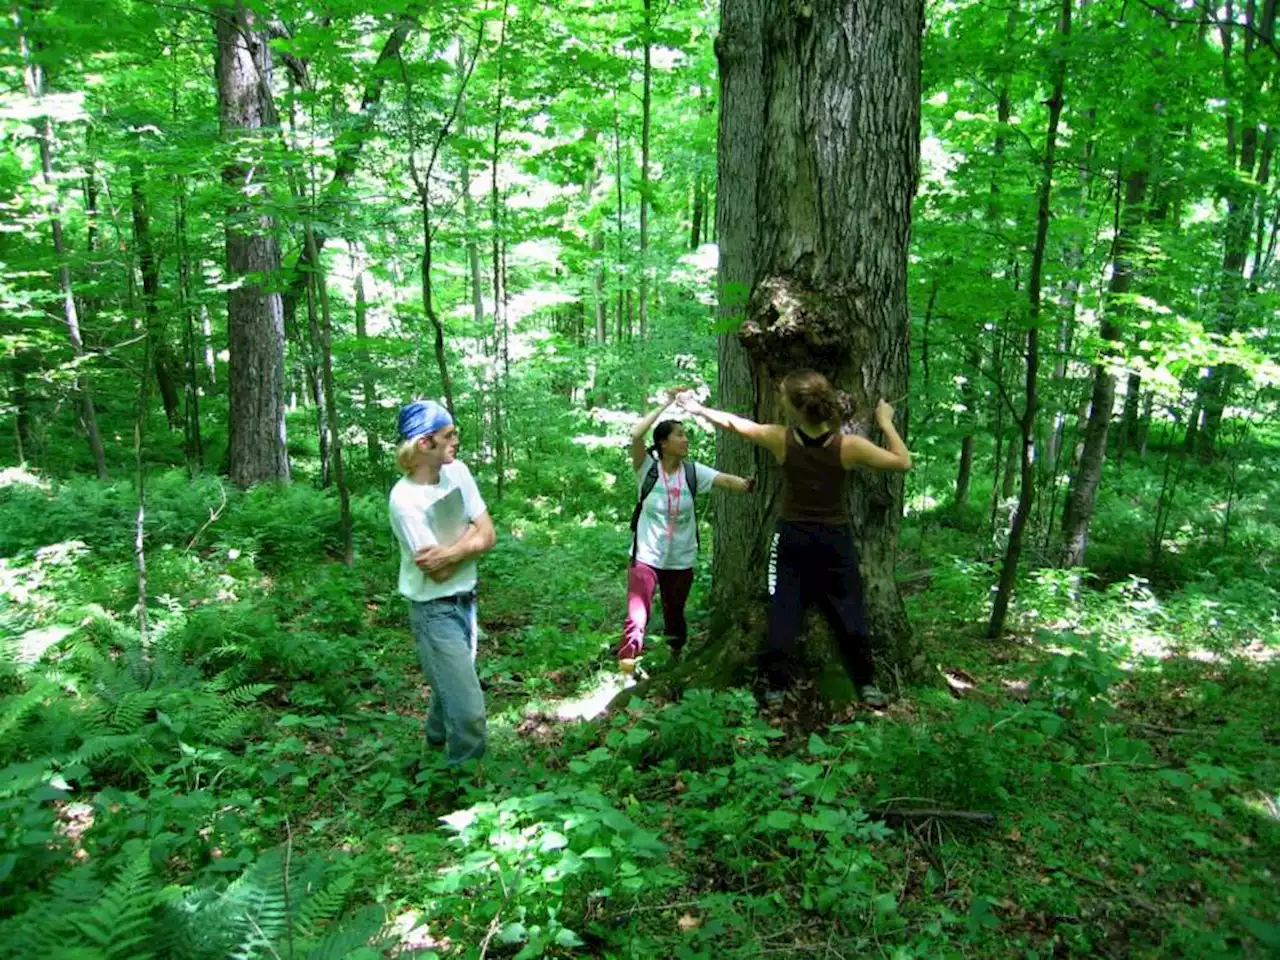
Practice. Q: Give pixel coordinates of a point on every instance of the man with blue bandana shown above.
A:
(442, 525)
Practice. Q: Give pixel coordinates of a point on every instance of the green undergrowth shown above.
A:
(247, 779)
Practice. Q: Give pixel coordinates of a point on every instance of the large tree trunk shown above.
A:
(1084, 485)
(33, 76)
(819, 147)
(1026, 427)
(255, 317)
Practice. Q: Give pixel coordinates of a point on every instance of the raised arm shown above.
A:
(768, 435)
(859, 451)
(728, 481)
(638, 446)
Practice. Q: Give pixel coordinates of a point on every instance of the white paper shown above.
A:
(447, 518)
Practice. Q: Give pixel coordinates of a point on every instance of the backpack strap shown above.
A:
(646, 487)
(691, 480)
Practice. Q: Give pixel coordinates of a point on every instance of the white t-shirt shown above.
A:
(408, 509)
(665, 538)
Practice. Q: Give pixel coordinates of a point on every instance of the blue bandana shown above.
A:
(422, 417)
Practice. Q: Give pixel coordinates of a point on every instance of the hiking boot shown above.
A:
(871, 695)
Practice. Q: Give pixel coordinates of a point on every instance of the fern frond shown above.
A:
(231, 727)
(257, 898)
(119, 924)
(16, 710)
(363, 929)
(99, 749)
(132, 709)
(321, 908)
(248, 693)
(20, 777)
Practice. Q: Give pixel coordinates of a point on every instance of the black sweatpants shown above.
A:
(817, 564)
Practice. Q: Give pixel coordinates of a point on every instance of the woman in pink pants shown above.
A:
(665, 543)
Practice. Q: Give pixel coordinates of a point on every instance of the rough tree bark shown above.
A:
(255, 318)
(1026, 427)
(1084, 484)
(817, 167)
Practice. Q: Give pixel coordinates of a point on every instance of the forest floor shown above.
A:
(1105, 779)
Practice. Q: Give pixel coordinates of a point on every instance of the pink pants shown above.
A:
(642, 580)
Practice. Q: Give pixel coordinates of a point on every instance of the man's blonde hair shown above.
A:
(407, 454)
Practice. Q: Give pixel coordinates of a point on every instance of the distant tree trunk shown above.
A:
(206, 331)
(193, 444)
(620, 269)
(1129, 416)
(149, 265)
(1084, 485)
(255, 319)
(139, 475)
(1027, 425)
(1241, 188)
(469, 212)
(309, 345)
(973, 352)
(699, 208)
(428, 304)
(18, 396)
(324, 337)
(499, 276)
(601, 297)
(369, 388)
(817, 270)
(33, 77)
(1012, 460)
(350, 145)
(646, 101)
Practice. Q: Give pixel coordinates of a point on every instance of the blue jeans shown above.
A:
(445, 633)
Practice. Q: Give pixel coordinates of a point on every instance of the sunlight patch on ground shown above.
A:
(594, 703)
(31, 646)
(13, 476)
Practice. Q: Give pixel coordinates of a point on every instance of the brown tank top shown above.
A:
(814, 484)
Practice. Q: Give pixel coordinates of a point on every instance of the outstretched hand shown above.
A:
(688, 400)
(884, 413)
(671, 395)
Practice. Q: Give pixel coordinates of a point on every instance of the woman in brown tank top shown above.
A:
(816, 559)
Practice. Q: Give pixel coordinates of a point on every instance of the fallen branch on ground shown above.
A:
(929, 813)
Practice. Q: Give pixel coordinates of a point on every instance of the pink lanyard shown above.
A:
(673, 502)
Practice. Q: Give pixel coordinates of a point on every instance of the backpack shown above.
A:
(646, 487)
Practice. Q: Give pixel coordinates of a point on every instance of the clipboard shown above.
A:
(447, 518)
